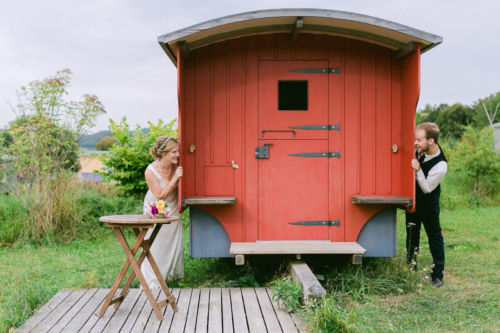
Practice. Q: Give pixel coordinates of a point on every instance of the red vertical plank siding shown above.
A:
(180, 101)
(367, 120)
(373, 100)
(396, 124)
(351, 131)
(335, 142)
(188, 159)
(251, 204)
(410, 88)
(203, 114)
(383, 123)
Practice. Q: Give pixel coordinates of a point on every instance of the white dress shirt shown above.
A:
(435, 175)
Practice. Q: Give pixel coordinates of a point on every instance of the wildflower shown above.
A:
(154, 210)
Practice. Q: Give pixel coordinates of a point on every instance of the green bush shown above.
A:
(477, 163)
(128, 159)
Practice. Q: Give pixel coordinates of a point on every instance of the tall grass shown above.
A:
(61, 209)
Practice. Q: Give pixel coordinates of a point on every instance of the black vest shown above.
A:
(429, 202)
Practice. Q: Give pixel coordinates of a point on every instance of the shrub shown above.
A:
(12, 217)
(105, 143)
(477, 163)
(128, 159)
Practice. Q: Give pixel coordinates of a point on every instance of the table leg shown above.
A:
(121, 275)
(170, 298)
(145, 245)
(137, 270)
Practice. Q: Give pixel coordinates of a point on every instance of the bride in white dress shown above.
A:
(162, 177)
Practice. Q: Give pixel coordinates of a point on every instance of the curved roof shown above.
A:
(368, 28)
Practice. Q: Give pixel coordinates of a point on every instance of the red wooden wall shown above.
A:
(373, 99)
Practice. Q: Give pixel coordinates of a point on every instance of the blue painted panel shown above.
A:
(378, 235)
(207, 237)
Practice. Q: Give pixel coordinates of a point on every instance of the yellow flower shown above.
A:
(160, 205)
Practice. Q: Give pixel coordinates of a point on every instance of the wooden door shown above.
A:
(293, 188)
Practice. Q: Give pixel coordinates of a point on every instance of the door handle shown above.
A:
(264, 131)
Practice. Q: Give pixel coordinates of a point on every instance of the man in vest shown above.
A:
(430, 167)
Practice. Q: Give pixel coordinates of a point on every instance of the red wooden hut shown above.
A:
(296, 129)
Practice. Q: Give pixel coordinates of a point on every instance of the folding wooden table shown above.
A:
(140, 225)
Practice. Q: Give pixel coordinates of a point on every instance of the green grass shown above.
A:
(384, 296)
(381, 295)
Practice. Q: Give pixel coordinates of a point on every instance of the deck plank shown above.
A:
(227, 317)
(44, 311)
(239, 316)
(192, 312)
(145, 314)
(179, 321)
(202, 318)
(60, 311)
(88, 311)
(256, 324)
(75, 309)
(286, 322)
(214, 311)
(270, 319)
(168, 313)
(122, 313)
(135, 312)
(101, 322)
(200, 310)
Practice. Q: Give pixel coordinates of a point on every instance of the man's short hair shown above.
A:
(431, 131)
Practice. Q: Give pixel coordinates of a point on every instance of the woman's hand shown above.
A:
(178, 172)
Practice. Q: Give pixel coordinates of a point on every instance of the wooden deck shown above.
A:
(200, 310)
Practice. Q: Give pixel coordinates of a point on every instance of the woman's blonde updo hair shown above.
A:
(163, 145)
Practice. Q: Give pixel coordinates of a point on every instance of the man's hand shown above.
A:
(415, 165)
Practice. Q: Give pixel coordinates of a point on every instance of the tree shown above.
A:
(45, 131)
(44, 149)
(128, 159)
(453, 119)
(478, 161)
(105, 143)
(491, 103)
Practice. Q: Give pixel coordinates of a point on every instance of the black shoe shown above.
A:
(437, 283)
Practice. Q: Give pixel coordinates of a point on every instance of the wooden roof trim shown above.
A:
(390, 34)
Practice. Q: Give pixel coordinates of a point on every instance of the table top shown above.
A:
(135, 219)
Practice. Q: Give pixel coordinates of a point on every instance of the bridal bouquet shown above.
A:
(157, 209)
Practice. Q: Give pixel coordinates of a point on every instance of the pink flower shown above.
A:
(154, 210)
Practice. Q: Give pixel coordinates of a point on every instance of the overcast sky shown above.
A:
(111, 47)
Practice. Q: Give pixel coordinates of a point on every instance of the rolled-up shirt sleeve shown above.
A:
(434, 177)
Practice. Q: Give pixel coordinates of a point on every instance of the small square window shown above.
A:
(292, 95)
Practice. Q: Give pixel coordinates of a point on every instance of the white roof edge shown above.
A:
(324, 13)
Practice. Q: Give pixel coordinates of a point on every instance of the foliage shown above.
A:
(329, 316)
(89, 141)
(44, 149)
(492, 103)
(452, 120)
(287, 292)
(430, 113)
(44, 133)
(477, 161)
(129, 158)
(105, 143)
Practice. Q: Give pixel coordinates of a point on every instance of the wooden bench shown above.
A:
(396, 200)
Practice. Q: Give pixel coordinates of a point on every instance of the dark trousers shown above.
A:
(434, 235)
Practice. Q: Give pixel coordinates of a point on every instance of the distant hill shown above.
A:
(89, 140)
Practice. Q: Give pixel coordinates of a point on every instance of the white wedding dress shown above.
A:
(167, 249)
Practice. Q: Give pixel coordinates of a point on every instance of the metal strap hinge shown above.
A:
(328, 223)
(328, 70)
(335, 127)
(326, 154)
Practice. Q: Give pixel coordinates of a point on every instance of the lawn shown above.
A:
(379, 296)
